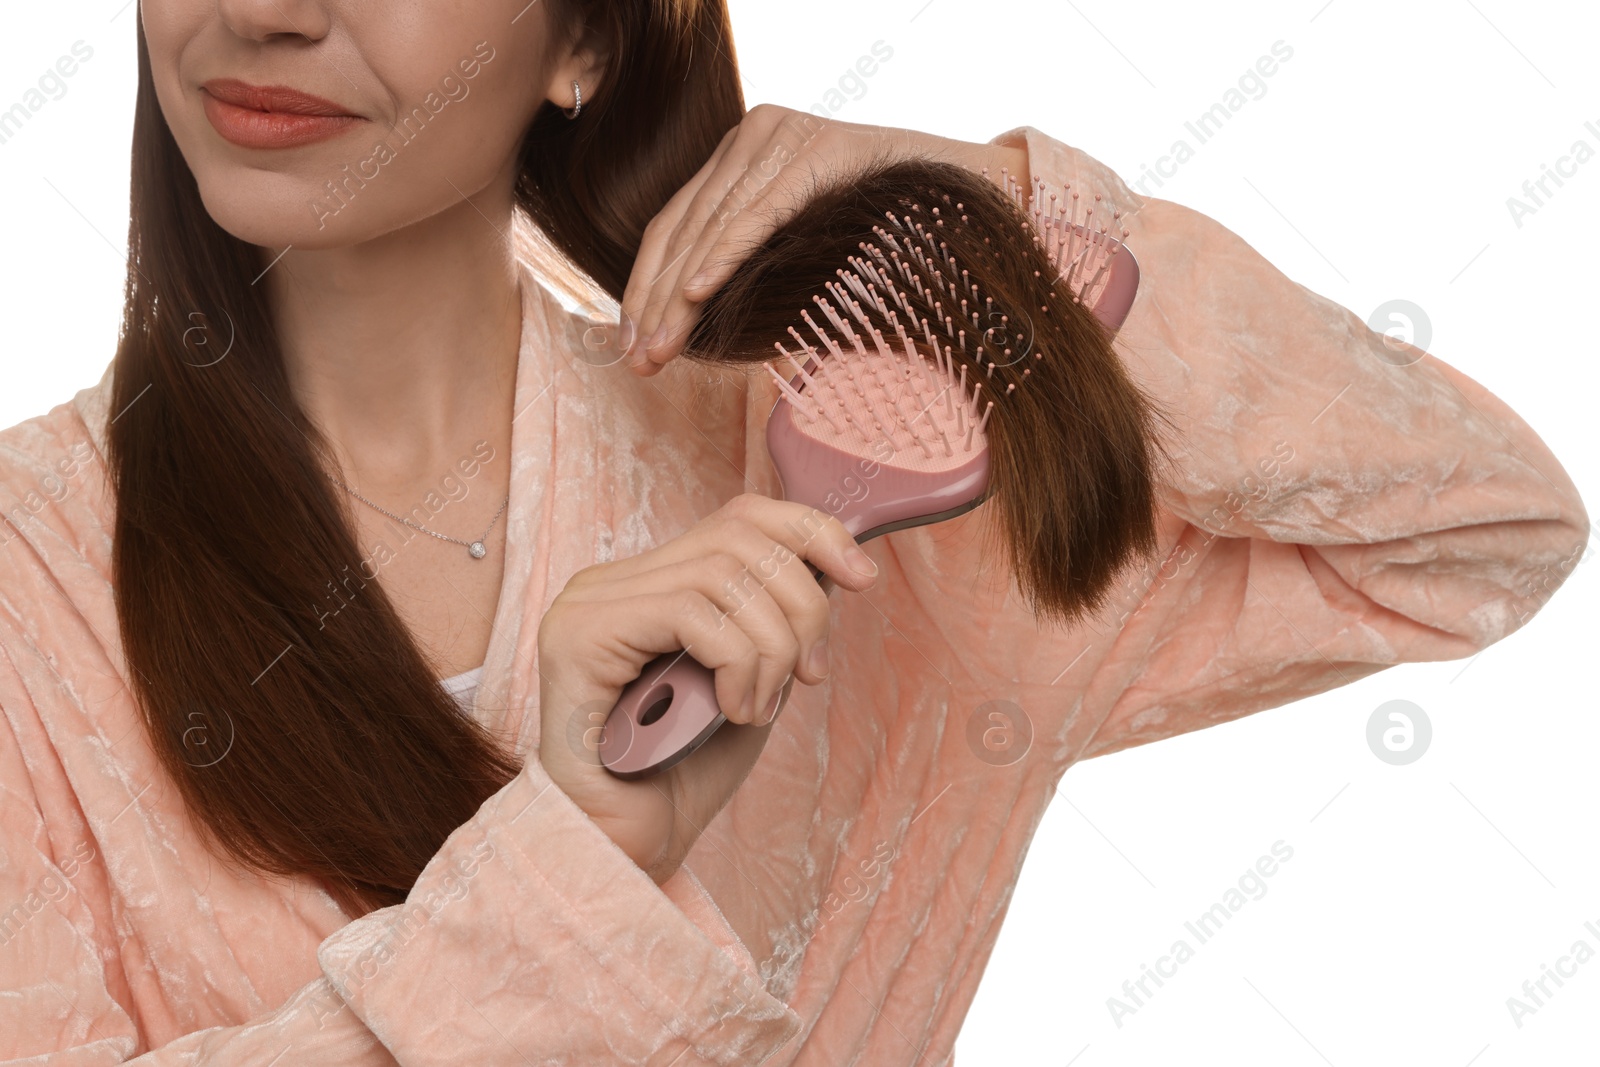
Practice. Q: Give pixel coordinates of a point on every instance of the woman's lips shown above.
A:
(272, 116)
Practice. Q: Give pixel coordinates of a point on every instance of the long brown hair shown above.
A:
(345, 760)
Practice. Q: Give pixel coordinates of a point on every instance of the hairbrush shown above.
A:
(896, 371)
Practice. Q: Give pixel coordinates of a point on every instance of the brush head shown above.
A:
(881, 388)
(887, 415)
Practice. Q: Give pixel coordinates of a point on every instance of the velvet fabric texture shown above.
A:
(1333, 512)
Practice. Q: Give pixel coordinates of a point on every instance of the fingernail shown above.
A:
(746, 708)
(818, 660)
(771, 709)
(861, 563)
(657, 338)
(700, 279)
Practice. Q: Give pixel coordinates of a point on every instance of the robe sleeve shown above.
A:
(1339, 502)
(529, 938)
(1335, 504)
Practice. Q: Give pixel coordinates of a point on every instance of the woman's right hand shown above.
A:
(746, 562)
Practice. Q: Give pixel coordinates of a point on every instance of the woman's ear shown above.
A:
(583, 61)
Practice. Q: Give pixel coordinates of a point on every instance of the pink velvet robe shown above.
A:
(1333, 514)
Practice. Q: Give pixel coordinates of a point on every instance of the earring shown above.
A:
(577, 93)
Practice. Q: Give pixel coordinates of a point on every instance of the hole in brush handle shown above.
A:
(661, 717)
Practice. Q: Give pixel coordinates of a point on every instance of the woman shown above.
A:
(243, 821)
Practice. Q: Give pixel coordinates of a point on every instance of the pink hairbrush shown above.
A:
(900, 417)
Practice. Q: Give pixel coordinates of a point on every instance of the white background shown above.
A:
(1377, 166)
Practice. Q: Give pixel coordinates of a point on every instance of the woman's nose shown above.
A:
(262, 20)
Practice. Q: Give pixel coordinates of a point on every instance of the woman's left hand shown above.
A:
(756, 179)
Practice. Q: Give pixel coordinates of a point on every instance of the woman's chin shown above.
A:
(284, 218)
(276, 211)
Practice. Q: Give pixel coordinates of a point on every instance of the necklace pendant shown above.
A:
(476, 550)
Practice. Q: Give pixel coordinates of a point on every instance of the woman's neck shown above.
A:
(403, 349)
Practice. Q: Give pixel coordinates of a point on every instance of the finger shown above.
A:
(644, 295)
(785, 579)
(737, 228)
(648, 261)
(725, 579)
(765, 718)
(667, 621)
(713, 263)
(736, 225)
(772, 548)
(701, 226)
(666, 304)
(727, 651)
(790, 599)
(809, 532)
(641, 297)
(732, 182)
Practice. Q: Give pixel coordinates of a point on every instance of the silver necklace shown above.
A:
(475, 549)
